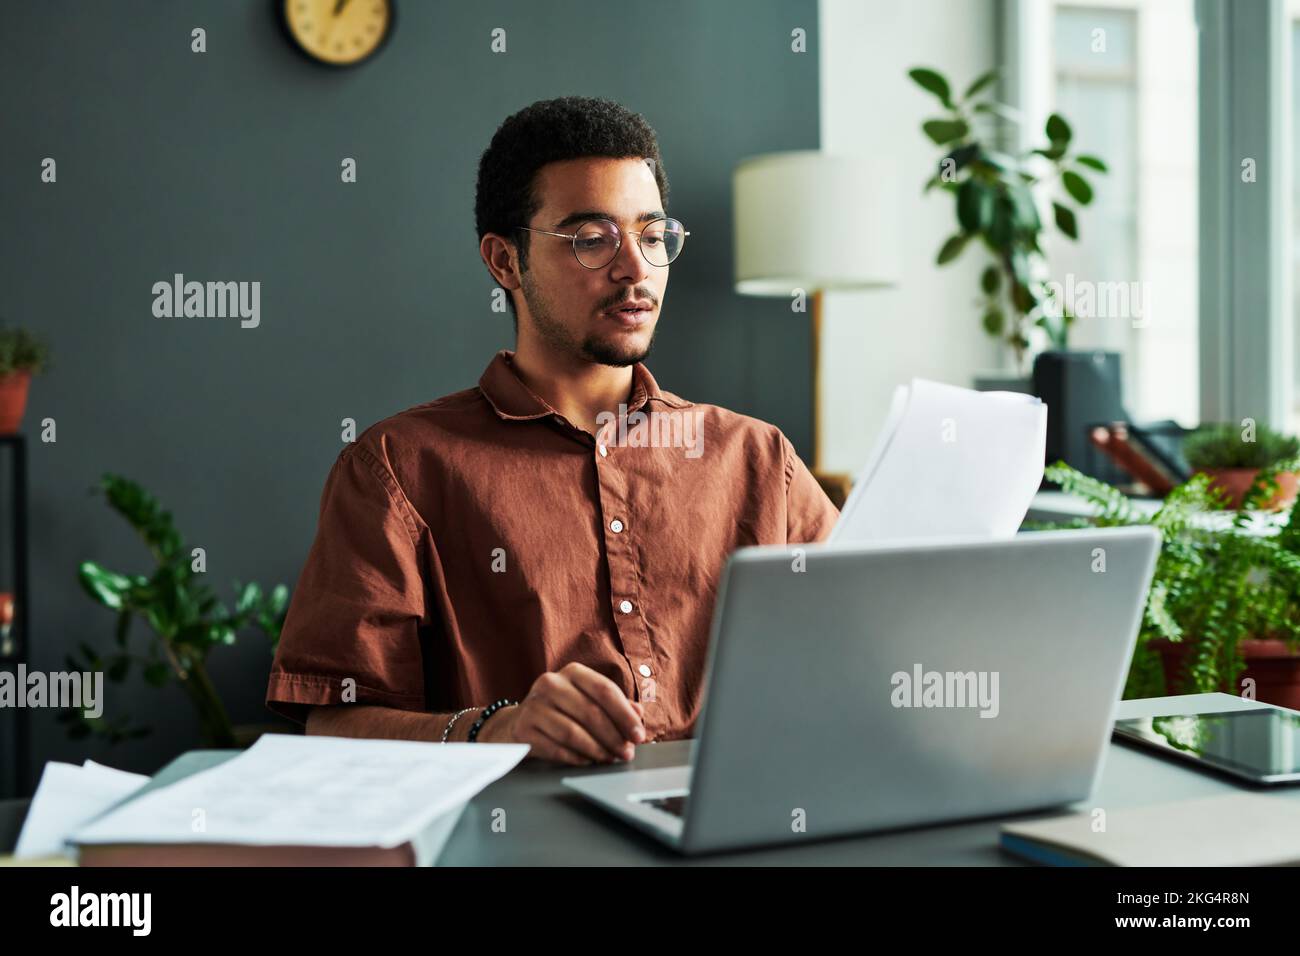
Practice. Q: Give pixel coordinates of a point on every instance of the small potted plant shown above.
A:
(22, 355)
(1234, 459)
(996, 200)
(184, 615)
(1223, 610)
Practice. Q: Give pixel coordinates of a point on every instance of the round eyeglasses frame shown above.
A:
(573, 239)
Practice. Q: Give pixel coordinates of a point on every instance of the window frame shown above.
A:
(1245, 312)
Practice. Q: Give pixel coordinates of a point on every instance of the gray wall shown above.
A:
(225, 166)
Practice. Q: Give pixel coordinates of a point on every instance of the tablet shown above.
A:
(1260, 745)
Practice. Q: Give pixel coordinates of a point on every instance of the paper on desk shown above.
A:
(948, 462)
(288, 790)
(66, 798)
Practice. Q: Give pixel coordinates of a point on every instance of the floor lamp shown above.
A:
(809, 222)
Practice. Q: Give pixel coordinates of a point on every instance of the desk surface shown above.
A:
(1061, 506)
(548, 824)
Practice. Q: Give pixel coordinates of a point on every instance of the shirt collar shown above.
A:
(511, 399)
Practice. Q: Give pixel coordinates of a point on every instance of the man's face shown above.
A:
(574, 309)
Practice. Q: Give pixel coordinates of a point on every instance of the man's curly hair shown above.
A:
(549, 131)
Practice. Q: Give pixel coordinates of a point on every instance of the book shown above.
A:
(1163, 441)
(1117, 441)
(299, 801)
(421, 850)
(1237, 829)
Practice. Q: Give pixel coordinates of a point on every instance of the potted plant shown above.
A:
(995, 206)
(1234, 457)
(1223, 610)
(22, 355)
(185, 616)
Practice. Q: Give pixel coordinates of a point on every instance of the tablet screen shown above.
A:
(1262, 745)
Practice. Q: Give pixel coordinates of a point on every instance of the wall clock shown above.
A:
(338, 32)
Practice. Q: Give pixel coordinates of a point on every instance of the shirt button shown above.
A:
(645, 670)
(625, 607)
(604, 452)
(616, 526)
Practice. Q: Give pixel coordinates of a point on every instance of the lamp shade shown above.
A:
(813, 221)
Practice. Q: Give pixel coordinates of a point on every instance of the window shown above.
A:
(1124, 73)
(1293, 26)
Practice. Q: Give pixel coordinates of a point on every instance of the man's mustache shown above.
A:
(629, 300)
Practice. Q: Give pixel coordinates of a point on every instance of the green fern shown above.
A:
(1214, 585)
(1115, 508)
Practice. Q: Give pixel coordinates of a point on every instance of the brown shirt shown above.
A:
(472, 543)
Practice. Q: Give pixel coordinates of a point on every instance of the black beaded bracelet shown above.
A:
(488, 711)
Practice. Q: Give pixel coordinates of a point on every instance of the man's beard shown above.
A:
(559, 337)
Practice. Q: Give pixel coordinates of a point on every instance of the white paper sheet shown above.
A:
(948, 462)
(312, 791)
(66, 798)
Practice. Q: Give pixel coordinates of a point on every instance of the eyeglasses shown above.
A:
(597, 241)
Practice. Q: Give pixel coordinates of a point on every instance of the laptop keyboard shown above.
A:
(674, 805)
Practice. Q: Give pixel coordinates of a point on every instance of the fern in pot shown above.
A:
(1223, 610)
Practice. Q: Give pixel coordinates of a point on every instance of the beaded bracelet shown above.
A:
(488, 711)
(446, 731)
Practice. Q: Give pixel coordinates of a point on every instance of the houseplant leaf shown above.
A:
(1077, 187)
(952, 249)
(107, 587)
(994, 321)
(1065, 220)
(990, 280)
(980, 83)
(933, 82)
(1058, 130)
(943, 131)
(974, 205)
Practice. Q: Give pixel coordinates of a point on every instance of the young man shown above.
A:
(552, 540)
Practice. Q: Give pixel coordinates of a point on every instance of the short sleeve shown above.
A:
(360, 600)
(810, 514)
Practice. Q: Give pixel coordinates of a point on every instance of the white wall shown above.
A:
(928, 325)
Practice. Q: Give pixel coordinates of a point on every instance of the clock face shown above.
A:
(339, 32)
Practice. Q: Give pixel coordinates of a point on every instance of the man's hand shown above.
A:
(574, 715)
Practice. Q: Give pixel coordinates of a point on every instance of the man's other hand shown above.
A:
(574, 715)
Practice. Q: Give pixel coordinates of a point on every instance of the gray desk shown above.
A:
(547, 824)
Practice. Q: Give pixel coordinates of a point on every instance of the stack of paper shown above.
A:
(67, 797)
(305, 792)
(949, 462)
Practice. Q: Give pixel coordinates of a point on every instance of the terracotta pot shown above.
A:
(1237, 481)
(13, 401)
(1271, 664)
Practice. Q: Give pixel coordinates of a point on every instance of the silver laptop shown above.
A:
(853, 689)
